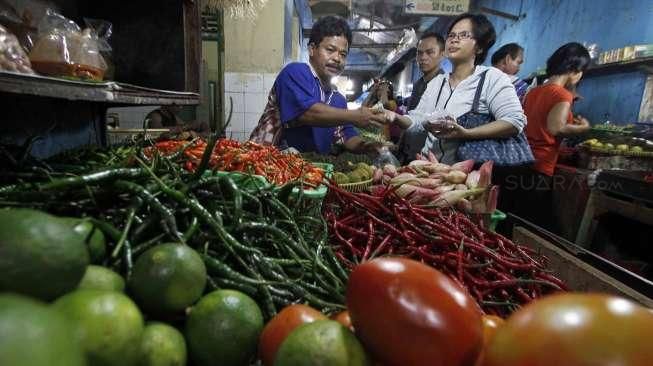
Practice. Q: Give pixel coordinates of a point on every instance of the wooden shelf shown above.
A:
(106, 92)
(643, 64)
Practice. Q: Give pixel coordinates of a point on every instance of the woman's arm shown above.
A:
(556, 121)
(496, 129)
(504, 105)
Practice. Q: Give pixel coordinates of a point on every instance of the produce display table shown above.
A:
(625, 193)
(579, 275)
(570, 194)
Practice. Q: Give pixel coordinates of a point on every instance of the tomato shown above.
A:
(279, 327)
(407, 313)
(490, 325)
(574, 330)
(343, 318)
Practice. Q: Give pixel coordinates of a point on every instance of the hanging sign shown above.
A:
(436, 7)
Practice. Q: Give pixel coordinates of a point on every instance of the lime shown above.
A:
(107, 323)
(321, 343)
(93, 237)
(40, 255)
(101, 278)
(223, 328)
(168, 278)
(32, 334)
(162, 345)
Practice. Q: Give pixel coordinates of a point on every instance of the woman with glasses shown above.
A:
(472, 112)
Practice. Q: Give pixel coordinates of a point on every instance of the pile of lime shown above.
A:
(360, 172)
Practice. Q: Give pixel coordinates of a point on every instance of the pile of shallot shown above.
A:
(426, 181)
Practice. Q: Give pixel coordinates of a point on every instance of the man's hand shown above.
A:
(371, 147)
(390, 116)
(367, 116)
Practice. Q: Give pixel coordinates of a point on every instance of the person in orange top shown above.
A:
(548, 111)
(548, 107)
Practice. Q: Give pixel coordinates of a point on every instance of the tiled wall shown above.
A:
(132, 117)
(249, 92)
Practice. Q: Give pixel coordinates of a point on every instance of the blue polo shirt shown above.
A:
(297, 88)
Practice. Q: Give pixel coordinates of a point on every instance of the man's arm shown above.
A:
(322, 115)
(356, 145)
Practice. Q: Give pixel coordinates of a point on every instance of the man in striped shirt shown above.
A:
(508, 59)
(304, 111)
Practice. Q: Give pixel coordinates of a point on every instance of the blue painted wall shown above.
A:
(548, 24)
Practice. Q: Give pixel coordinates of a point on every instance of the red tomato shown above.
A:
(343, 318)
(279, 327)
(407, 313)
(490, 325)
(574, 330)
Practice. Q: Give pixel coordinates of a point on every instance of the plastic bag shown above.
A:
(64, 49)
(386, 157)
(12, 55)
(22, 18)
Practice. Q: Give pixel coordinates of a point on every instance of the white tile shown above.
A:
(233, 82)
(252, 82)
(251, 121)
(240, 136)
(230, 134)
(268, 81)
(238, 101)
(254, 102)
(237, 121)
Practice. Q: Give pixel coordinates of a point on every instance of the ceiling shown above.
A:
(382, 32)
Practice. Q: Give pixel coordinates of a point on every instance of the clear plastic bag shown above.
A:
(12, 55)
(22, 18)
(64, 49)
(386, 157)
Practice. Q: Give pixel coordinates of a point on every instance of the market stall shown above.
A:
(156, 228)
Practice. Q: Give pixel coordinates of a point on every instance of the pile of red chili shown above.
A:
(249, 157)
(498, 273)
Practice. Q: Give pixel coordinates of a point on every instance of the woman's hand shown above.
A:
(446, 127)
(453, 131)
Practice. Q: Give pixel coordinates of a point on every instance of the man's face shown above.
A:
(511, 65)
(429, 55)
(329, 57)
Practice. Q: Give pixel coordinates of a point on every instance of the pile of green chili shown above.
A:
(258, 240)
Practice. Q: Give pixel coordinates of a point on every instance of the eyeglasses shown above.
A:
(461, 35)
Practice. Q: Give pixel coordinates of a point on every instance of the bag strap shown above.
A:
(479, 88)
(440, 92)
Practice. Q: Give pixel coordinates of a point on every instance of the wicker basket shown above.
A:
(357, 187)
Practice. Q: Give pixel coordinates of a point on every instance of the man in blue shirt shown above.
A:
(304, 111)
(508, 59)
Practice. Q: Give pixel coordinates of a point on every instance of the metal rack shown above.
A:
(156, 57)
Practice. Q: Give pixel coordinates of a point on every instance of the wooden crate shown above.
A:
(578, 275)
